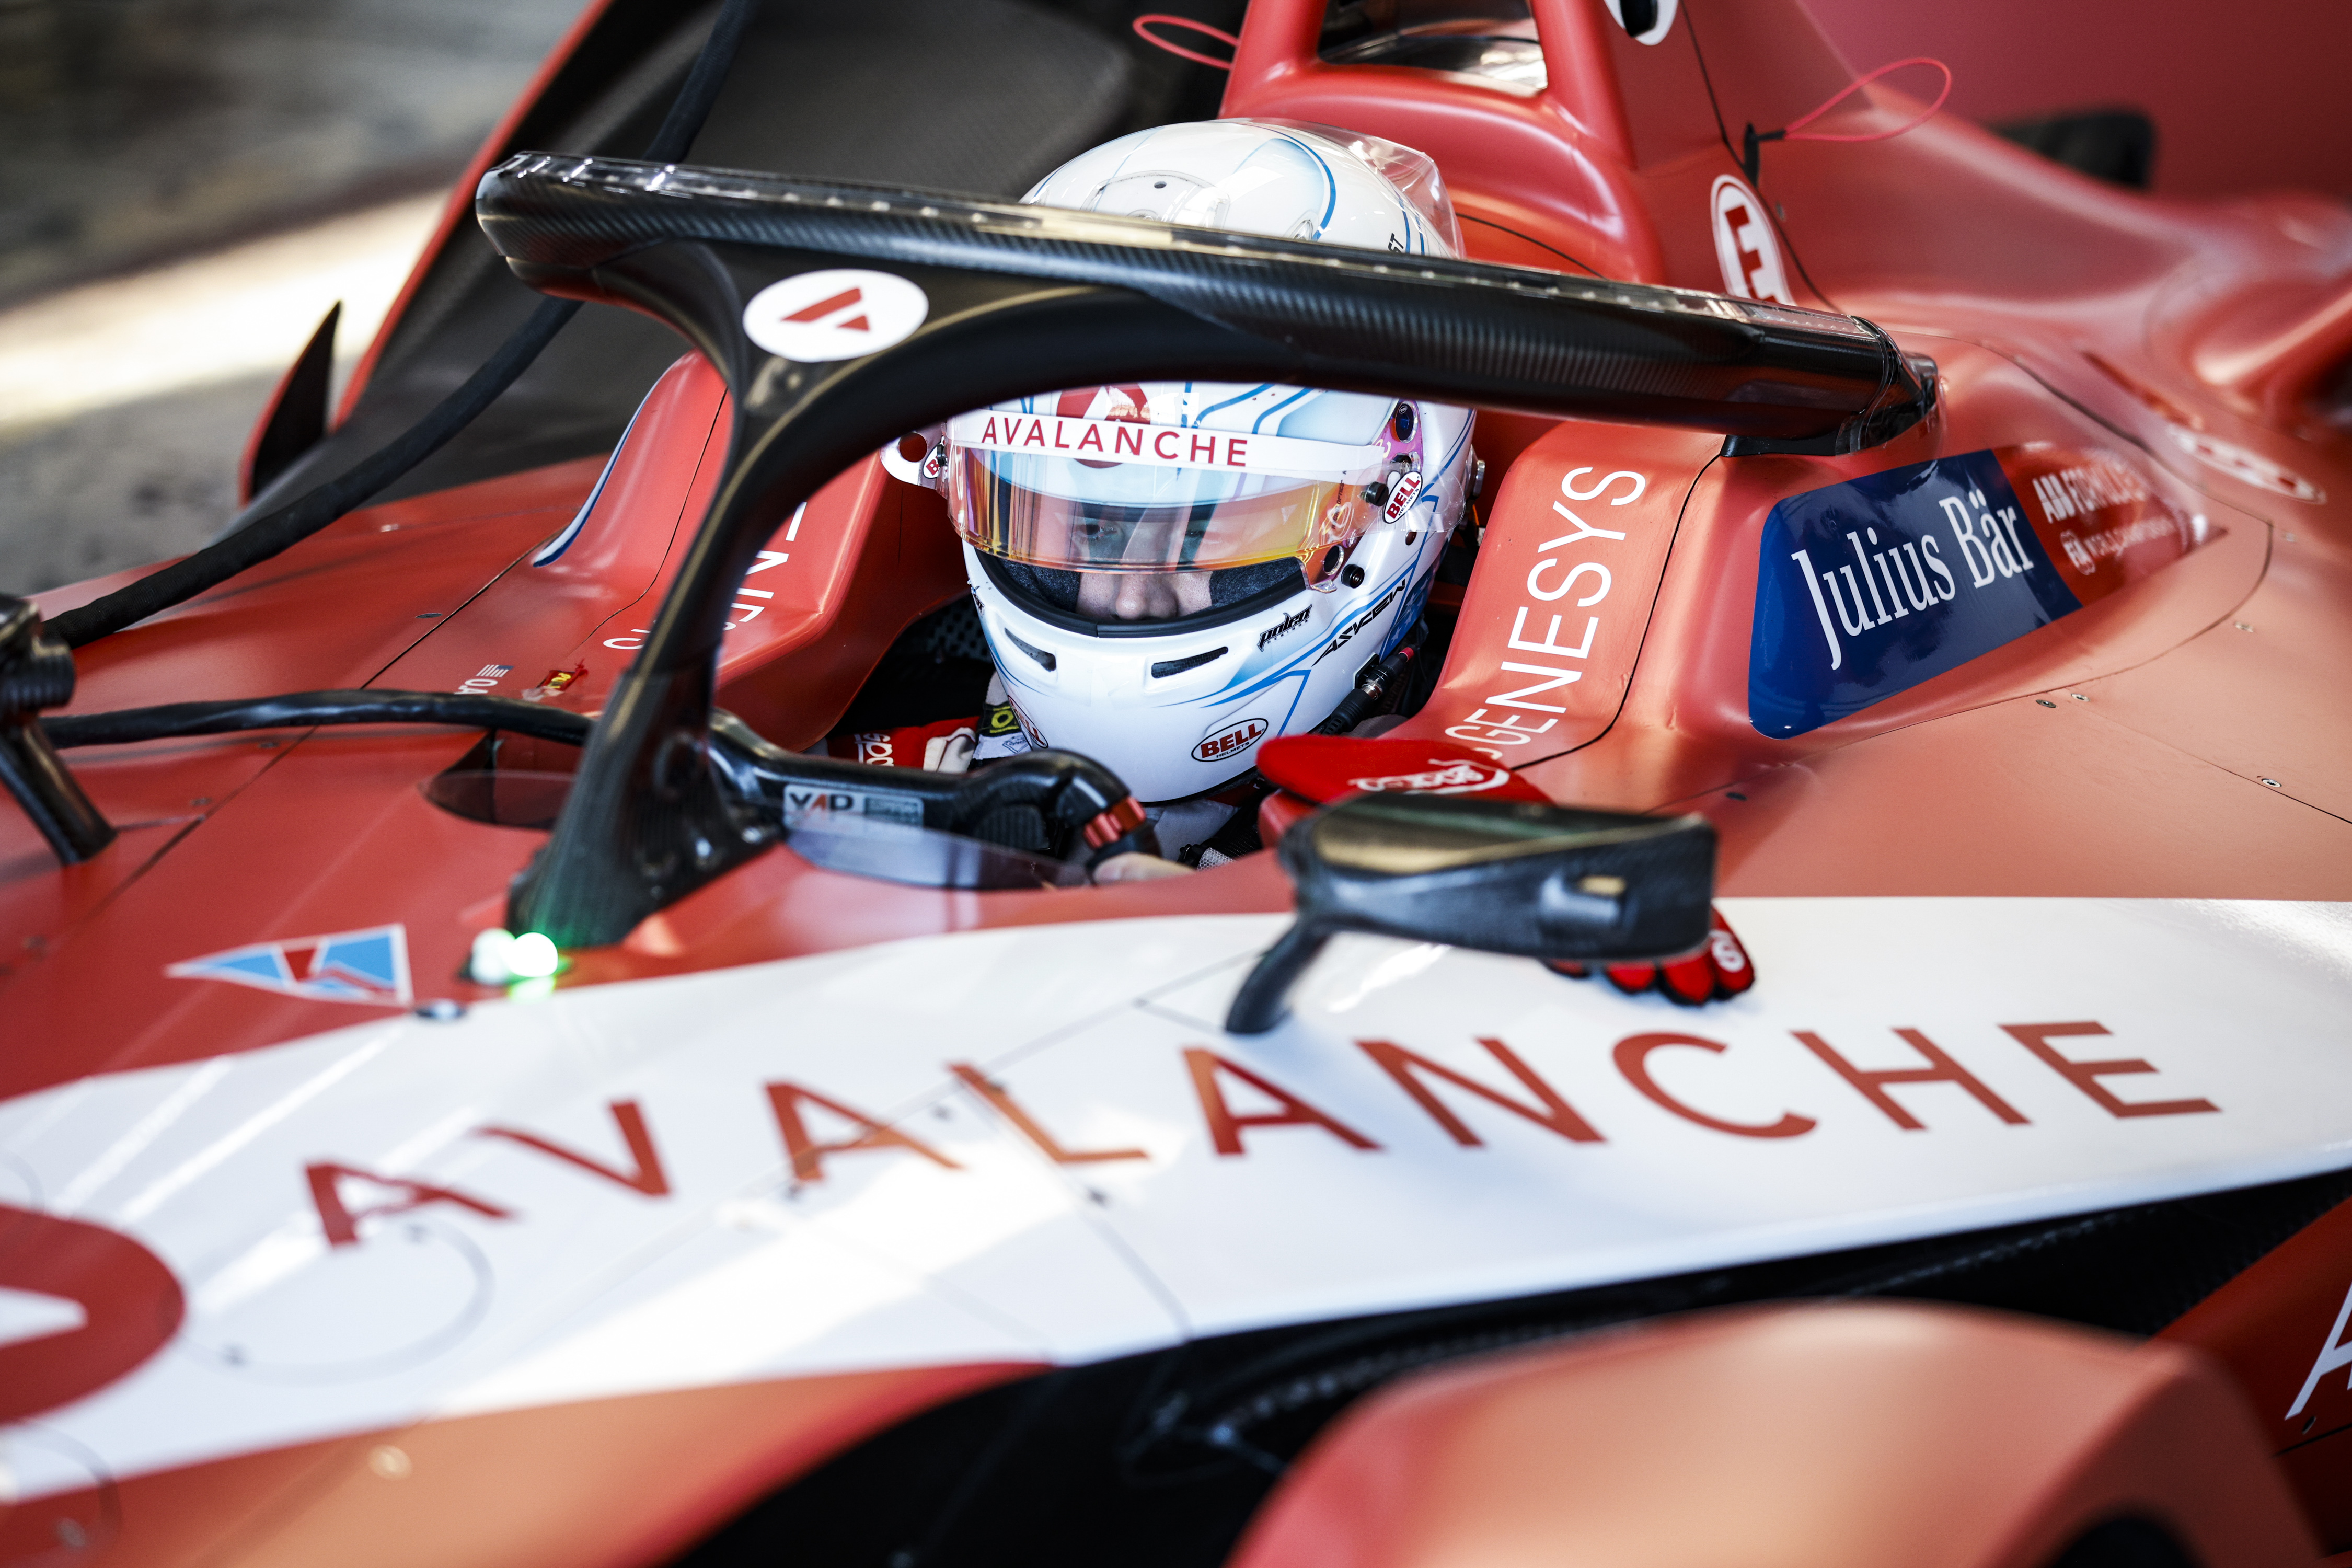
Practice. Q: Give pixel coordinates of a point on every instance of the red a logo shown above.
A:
(850, 298)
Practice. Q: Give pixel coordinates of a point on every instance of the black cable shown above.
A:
(306, 515)
(1372, 685)
(303, 709)
(1531, 239)
(696, 98)
(290, 524)
(1723, 134)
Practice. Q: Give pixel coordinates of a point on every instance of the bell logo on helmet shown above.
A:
(842, 312)
(1407, 487)
(1230, 742)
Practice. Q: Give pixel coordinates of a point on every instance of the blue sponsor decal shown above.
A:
(1867, 588)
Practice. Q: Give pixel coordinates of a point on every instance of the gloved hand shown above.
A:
(1717, 972)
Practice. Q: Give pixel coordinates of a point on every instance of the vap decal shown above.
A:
(1231, 741)
(889, 806)
(1867, 588)
(1407, 487)
(1745, 243)
(2240, 463)
(1283, 627)
(370, 967)
(838, 313)
(488, 677)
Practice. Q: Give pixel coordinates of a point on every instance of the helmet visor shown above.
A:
(1141, 506)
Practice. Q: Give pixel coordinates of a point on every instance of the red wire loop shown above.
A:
(1144, 23)
(1794, 132)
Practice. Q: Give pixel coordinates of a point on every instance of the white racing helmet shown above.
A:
(1170, 573)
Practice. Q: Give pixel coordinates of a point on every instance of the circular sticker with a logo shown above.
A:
(843, 312)
(1648, 21)
(1231, 741)
(1746, 245)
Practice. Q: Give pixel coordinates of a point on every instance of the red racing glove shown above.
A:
(1717, 972)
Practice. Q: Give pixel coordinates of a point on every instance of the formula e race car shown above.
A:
(1789, 1004)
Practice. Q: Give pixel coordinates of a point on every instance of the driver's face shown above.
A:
(1142, 595)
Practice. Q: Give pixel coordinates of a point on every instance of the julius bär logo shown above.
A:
(839, 313)
(1745, 245)
(1231, 741)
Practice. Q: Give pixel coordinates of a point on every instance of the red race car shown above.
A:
(1587, 813)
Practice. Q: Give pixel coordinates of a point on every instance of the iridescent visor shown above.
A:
(1014, 522)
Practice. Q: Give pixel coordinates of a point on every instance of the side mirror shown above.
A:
(1536, 881)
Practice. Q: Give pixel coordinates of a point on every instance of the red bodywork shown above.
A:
(2183, 736)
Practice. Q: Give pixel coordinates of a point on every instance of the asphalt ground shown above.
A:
(186, 186)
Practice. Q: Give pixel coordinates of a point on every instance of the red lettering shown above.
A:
(1633, 1057)
(132, 1307)
(808, 1155)
(1130, 441)
(648, 1178)
(1003, 1102)
(341, 1222)
(2086, 1075)
(1941, 1069)
(1091, 438)
(1203, 446)
(1158, 450)
(1059, 445)
(1550, 1112)
(1236, 451)
(1226, 1125)
(988, 431)
(1036, 437)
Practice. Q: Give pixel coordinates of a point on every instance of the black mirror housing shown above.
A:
(1510, 877)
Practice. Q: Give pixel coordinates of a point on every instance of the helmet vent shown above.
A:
(1039, 654)
(1168, 666)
